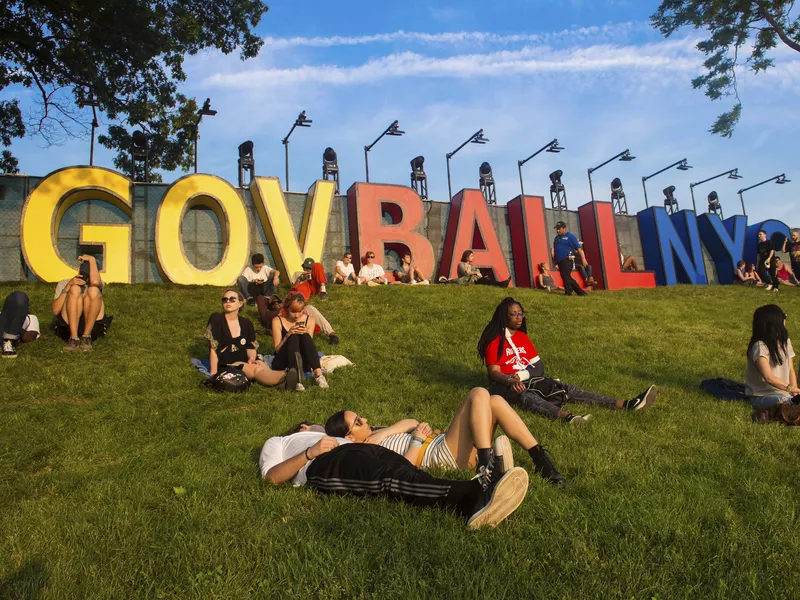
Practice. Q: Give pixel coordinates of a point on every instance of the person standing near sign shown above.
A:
(565, 244)
(766, 261)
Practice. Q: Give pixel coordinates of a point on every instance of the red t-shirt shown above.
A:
(509, 364)
(783, 273)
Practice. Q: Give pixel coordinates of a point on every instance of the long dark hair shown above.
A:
(769, 328)
(497, 326)
(336, 426)
(465, 255)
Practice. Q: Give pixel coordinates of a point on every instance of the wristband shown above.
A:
(308, 458)
(415, 438)
(788, 387)
(416, 444)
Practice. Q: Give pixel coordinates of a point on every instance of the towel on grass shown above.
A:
(329, 363)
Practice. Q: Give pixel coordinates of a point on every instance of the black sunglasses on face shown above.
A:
(229, 299)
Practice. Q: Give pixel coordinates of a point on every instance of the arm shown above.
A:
(540, 280)
(579, 251)
(422, 431)
(284, 471)
(94, 274)
(553, 254)
(213, 359)
(511, 381)
(277, 334)
(310, 325)
(792, 374)
(340, 272)
(252, 356)
(762, 364)
(404, 426)
(739, 275)
(58, 303)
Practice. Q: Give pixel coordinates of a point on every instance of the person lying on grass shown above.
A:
(293, 336)
(770, 378)
(329, 465)
(232, 342)
(516, 371)
(467, 443)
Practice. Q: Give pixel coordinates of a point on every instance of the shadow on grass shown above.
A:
(26, 582)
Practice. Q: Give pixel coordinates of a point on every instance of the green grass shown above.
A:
(687, 499)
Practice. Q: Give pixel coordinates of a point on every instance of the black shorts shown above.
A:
(99, 329)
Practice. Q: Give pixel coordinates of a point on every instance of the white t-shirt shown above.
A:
(31, 323)
(265, 274)
(754, 383)
(345, 270)
(371, 272)
(278, 449)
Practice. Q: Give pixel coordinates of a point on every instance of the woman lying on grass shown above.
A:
(771, 378)
(516, 371)
(466, 443)
(232, 342)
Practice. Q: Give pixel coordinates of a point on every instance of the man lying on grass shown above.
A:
(466, 443)
(305, 455)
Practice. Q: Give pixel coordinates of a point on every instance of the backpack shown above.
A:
(228, 379)
(548, 389)
(787, 414)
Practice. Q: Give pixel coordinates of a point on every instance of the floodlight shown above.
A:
(419, 180)
(246, 161)
(392, 130)
(782, 179)
(330, 166)
(714, 206)
(139, 152)
(555, 177)
(670, 201)
(558, 194)
(618, 197)
(486, 183)
(734, 174)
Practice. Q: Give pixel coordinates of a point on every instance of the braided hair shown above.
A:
(497, 326)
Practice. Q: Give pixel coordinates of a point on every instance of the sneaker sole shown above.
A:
(9, 356)
(506, 498)
(292, 379)
(502, 449)
(580, 420)
(650, 396)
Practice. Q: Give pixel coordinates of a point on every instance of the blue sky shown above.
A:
(590, 72)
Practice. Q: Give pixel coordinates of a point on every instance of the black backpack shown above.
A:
(228, 379)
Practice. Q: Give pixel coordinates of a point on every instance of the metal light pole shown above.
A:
(205, 111)
(624, 156)
(475, 138)
(83, 102)
(391, 130)
(732, 174)
(682, 166)
(300, 121)
(781, 179)
(549, 147)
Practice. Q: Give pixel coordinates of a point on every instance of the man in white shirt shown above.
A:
(258, 280)
(306, 456)
(79, 308)
(372, 273)
(346, 272)
(16, 324)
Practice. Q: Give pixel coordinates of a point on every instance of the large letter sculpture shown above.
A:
(602, 249)
(219, 196)
(530, 243)
(277, 223)
(666, 238)
(469, 227)
(777, 231)
(45, 207)
(725, 242)
(366, 204)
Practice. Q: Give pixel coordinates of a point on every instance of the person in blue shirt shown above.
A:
(565, 247)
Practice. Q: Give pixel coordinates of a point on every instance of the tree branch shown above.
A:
(773, 22)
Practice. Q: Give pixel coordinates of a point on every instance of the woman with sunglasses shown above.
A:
(232, 342)
(516, 371)
(466, 444)
(293, 336)
(770, 378)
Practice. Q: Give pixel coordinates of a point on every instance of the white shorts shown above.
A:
(438, 455)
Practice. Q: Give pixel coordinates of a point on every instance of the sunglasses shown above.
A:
(357, 422)
(231, 299)
(370, 256)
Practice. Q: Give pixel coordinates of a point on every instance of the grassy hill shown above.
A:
(686, 499)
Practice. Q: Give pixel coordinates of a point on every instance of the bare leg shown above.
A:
(73, 308)
(459, 436)
(511, 423)
(263, 374)
(92, 305)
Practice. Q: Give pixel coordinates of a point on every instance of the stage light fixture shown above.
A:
(247, 161)
(624, 156)
(419, 180)
(300, 121)
(734, 174)
(780, 179)
(87, 99)
(558, 194)
(714, 206)
(670, 201)
(205, 111)
(475, 138)
(140, 153)
(618, 197)
(551, 146)
(392, 130)
(486, 183)
(681, 165)
(330, 166)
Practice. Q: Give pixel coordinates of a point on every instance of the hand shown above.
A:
(86, 257)
(259, 281)
(518, 387)
(422, 430)
(252, 361)
(325, 445)
(794, 390)
(75, 281)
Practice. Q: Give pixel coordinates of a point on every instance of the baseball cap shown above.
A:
(308, 264)
(560, 224)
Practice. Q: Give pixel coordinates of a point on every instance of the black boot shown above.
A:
(544, 465)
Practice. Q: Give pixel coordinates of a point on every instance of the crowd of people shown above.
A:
(346, 455)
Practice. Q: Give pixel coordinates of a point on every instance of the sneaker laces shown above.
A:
(485, 473)
(8, 346)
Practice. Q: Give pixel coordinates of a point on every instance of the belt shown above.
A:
(436, 433)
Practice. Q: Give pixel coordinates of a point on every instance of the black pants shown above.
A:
(13, 315)
(251, 289)
(768, 275)
(370, 470)
(570, 285)
(535, 403)
(304, 344)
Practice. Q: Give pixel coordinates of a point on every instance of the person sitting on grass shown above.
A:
(466, 444)
(770, 378)
(346, 271)
(16, 323)
(750, 272)
(323, 326)
(516, 371)
(469, 273)
(407, 272)
(79, 308)
(293, 336)
(259, 280)
(232, 342)
(329, 465)
(311, 281)
(740, 275)
(545, 279)
(784, 273)
(371, 273)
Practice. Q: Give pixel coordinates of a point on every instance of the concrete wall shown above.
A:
(201, 232)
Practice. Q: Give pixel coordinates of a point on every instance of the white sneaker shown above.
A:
(768, 287)
(426, 282)
(300, 388)
(322, 382)
(774, 289)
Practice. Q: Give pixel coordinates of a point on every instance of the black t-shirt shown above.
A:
(229, 349)
(764, 248)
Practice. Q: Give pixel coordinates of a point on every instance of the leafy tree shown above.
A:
(731, 24)
(126, 55)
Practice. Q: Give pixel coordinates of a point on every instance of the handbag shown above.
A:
(228, 379)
